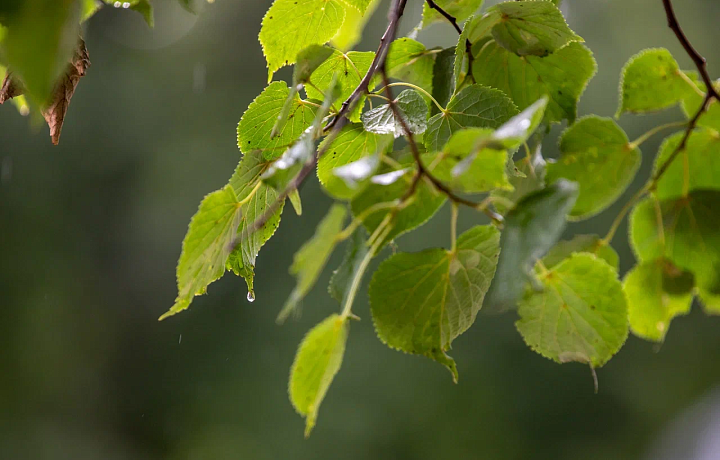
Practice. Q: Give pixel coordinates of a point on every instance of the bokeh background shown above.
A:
(90, 233)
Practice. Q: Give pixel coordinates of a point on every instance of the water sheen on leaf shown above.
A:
(317, 361)
(290, 26)
(580, 315)
(597, 154)
(422, 301)
(562, 76)
(382, 120)
(473, 106)
(256, 125)
(531, 229)
(651, 81)
(656, 291)
(528, 177)
(312, 257)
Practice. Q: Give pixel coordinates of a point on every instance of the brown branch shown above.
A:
(394, 14)
(711, 94)
(422, 171)
(453, 21)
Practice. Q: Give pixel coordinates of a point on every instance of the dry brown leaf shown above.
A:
(55, 112)
(11, 87)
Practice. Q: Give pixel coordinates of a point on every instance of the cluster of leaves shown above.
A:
(465, 113)
(42, 55)
(470, 120)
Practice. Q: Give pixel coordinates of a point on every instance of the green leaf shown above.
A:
(381, 120)
(423, 206)
(206, 246)
(409, 61)
(289, 26)
(360, 5)
(317, 361)
(308, 60)
(592, 244)
(465, 166)
(255, 127)
(257, 198)
(141, 6)
(525, 28)
(562, 76)
(597, 154)
(39, 43)
(350, 33)
(531, 229)
(651, 81)
(294, 197)
(581, 314)
(310, 260)
(459, 9)
(349, 69)
(691, 104)
(342, 277)
(686, 234)
(283, 171)
(88, 9)
(519, 128)
(696, 167)
(656, 291)
(461, 66)
(528, 177)
(443, 83)
(473, 106)
(422, 301)
(352, 144)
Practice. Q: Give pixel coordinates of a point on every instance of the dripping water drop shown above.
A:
(251, 296)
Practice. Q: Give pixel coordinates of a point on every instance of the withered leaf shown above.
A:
(11, 87)
(54, 112)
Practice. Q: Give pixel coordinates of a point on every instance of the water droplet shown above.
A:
(251, 296)
(117, 4)
(126, 5)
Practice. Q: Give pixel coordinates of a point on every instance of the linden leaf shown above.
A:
(317, 361)
(473, 106)
(580, 315)
(310, 260)
(422, 301)
(592, 244)
(342, 277)
(382, 120)
(597, 154)
(562, 76)
(255, 128)
(409, 61)
(657, 291)
(651, 81)
(459, 9)
(696, 167)
(290, 26)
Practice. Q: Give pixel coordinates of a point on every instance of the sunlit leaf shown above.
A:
(580, 314)
(350, 33)
(409, 61)
(651, 81)
(317, 361)
(656, 291)
(597, 154)
(562, 76)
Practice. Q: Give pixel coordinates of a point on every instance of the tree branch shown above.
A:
(711, 94)
(453, 20)
(394, 14)
(422, 171)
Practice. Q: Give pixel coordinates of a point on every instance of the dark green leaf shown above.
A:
(381, 120)
(342, 277)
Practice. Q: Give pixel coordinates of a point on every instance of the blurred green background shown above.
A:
(90, 232)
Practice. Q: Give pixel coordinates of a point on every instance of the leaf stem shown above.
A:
(347, 308)
(357, 221)
(415, 87)
(637, 142)
(453, 227)
(623, 212)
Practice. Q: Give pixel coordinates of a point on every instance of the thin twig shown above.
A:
(422, 171)
(711, 93)
(453, 20)
(337, 123)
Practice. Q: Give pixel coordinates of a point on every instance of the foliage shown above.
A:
(453, 131)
